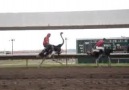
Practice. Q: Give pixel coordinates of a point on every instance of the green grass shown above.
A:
(50, 63)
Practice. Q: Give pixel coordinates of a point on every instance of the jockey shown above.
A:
(99, 44)
(46, 43)
(46, 40)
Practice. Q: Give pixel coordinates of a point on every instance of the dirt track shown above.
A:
(65, 78)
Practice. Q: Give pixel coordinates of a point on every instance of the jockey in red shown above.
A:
(46, 40)
(46, 43)
(99, 44)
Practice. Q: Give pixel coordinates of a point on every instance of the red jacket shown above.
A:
(46, 41)
(100, 43)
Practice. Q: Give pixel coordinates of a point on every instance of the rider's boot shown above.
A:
(41, 54)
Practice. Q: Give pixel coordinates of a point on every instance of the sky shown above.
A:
(32, 39)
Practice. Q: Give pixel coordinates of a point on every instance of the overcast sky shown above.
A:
(32, 40)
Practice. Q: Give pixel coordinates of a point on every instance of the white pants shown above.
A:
(100, 48)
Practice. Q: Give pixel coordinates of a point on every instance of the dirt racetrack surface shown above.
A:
(65, 78)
